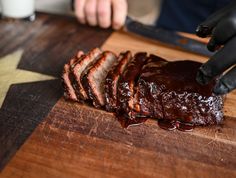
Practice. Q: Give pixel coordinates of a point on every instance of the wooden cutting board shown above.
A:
(75, 140)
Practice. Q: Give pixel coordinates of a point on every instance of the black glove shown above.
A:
(222, 28)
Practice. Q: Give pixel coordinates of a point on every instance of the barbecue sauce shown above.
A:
(178, 97)
(162, 123)
(125, 122)
(172, 125)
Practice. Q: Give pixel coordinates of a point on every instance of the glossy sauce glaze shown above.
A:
(168, 91)
(127, 82)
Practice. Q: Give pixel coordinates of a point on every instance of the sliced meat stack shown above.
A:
(69, 91)
(127, 82)
(93, 77)
(146, 105)
(83, 63)
(140, 87)
(111, 82)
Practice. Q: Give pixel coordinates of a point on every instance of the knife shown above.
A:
(171, 38)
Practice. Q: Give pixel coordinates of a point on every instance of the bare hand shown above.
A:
(104, 13)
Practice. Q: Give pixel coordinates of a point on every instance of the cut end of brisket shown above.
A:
(93, 79)
(77, 70)
(69, 91)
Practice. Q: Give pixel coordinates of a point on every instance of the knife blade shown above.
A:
(168, 37)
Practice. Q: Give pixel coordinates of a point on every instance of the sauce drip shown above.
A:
(125, 122)
(167, 125)
(174, 124)
(162, 123)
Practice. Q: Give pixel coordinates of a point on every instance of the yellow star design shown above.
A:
(9, 74)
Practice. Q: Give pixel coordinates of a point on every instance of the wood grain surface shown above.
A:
(76, 140)
(47, 44)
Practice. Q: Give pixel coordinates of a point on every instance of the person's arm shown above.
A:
(221, 26)
(104, 13)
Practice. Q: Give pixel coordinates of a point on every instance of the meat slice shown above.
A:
(77, 70)
(146, 100)
(69, 91)
(126, 84)
(111, 81)
(93, 78)
(171, 93)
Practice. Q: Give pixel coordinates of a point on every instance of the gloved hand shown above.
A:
(221, 26)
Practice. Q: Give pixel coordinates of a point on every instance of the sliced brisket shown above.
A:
(93, 77)
(146, 100)
(79, 67)
(142, 87)
(111, 81)
(69, 91)
(126, 84)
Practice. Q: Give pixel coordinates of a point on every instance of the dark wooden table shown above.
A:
(47, 45)
(42, 135)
